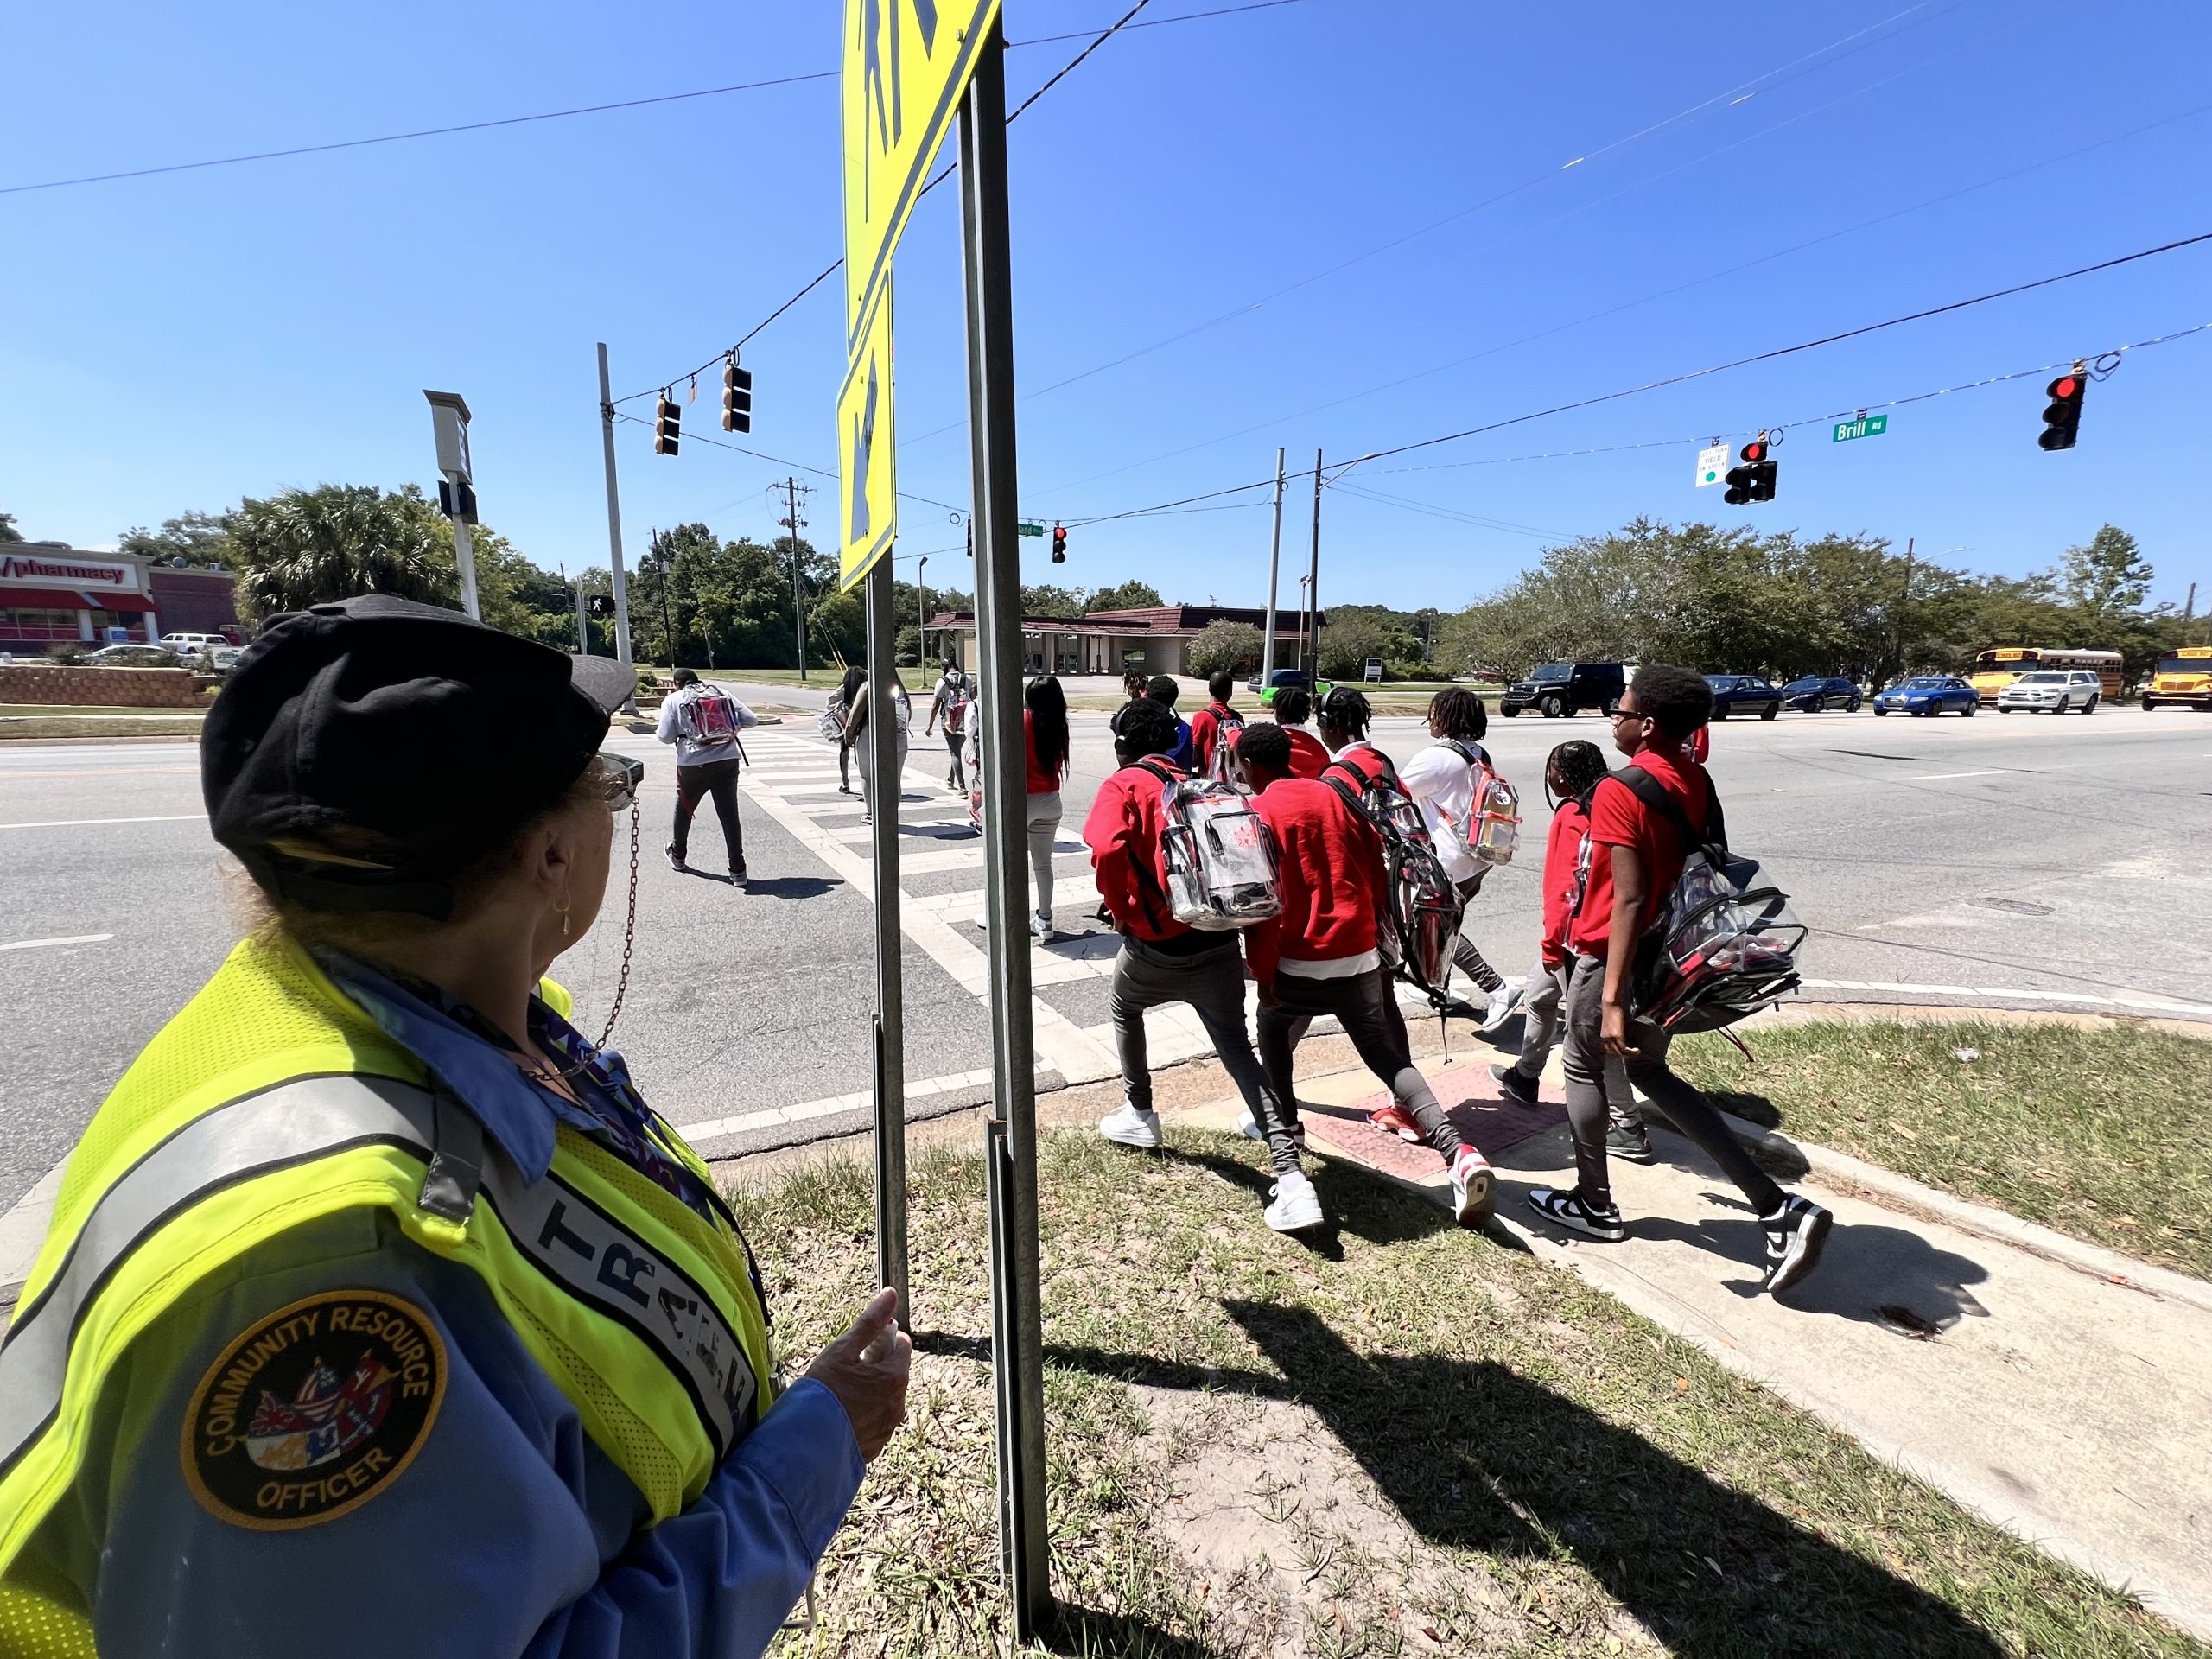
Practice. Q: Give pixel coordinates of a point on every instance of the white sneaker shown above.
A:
(1474, 1189)
(1126, 1126)
(1040, 928)
(1502, 1001)
(983, 921)
(1294, 1206)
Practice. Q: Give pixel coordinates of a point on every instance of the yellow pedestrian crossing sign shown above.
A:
(906, 66)
(868, 493)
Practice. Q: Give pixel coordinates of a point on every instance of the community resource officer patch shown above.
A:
(314, 1410)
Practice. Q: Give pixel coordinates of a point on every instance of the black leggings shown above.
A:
(1464, 955)
(717, 779)
(1366, 1006)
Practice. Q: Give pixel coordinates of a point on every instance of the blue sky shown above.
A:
(177, 341)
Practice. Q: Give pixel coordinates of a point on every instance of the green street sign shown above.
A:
(1867, 426)
(1031, 527)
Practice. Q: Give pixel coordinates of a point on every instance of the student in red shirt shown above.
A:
(1635, 859)
(1322, 954)
(1162, 960)
(1294, 707)
(1572, 772)
(1209, 724)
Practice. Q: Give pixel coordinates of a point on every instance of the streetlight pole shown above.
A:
(922, 612)
(1313, 576)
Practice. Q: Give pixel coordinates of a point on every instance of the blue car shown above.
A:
(1928, 694)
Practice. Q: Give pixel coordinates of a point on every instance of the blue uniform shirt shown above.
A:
(509, 1532)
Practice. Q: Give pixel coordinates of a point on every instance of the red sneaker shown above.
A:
(1395, 1119)
(1474, 1189)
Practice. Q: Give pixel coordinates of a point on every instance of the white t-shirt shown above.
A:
(690, 753)
(1441, 782)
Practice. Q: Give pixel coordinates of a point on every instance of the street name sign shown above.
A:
(1711, 462)
(868, 494)
(906, 66)
(1032, 527)
(1867, 426)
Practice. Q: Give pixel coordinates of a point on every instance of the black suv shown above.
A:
(1557, 689)
(1818, 691)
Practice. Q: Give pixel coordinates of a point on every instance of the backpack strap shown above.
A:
(1660, 799)
(1469, 755)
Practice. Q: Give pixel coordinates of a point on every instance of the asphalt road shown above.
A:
(2023, 861)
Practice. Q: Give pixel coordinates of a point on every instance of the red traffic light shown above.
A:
(1754, 451)
(2064, 387)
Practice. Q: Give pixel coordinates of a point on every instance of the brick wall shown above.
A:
(104, 688)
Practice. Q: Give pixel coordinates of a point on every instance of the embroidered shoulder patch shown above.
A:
(314, 1410)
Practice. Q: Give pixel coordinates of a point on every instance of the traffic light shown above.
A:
(737, 398)
(2062, 422)
(1753, 480)
(1059, 545)
(668, 425)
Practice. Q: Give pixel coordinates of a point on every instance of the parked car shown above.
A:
(132, 656)
(193, 645)
(1558, 689)
(1928, 694)
(1743, 694)
(2051, 691)
(1818, 691)
(1276, 681)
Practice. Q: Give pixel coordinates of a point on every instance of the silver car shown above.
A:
(2051, 691)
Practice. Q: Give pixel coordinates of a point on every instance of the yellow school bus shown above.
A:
(2183, 678)
(1995, 670)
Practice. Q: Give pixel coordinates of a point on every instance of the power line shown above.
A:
(779, 461)
(548, 115)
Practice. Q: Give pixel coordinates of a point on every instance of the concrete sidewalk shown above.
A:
(2059, 1390)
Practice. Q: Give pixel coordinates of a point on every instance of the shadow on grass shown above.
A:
(1082, 1634)
(1476, 1457)
(1348, 1196)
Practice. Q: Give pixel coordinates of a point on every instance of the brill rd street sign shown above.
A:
(1867, 426)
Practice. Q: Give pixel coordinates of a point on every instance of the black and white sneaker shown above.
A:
(1513, 1085)
(1794, 1234)
(1633, 1145)
(1566, 1210)
(738, 877)
(675, 858)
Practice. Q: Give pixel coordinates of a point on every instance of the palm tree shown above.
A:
(310, 547)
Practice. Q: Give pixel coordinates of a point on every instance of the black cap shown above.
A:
(425, 738)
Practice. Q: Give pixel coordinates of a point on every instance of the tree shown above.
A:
(310, 547)
(2106, 577)
(1048, 600)
(1130, 596)
(199, 540)
(1345, 647)
(8, 530)
(1232, 646)
(906, 651)
(837, 630)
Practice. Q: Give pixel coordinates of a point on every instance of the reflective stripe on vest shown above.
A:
(570, 1239)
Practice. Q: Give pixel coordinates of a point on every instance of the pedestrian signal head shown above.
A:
(2062, 420)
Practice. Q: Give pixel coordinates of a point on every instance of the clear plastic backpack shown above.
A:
(1219, 857)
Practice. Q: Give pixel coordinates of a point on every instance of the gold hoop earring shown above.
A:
(563, 912)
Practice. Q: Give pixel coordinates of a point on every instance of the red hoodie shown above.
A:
(1308, 754)
(1330, 870)
(1123, 834)
(1206, 731)
(1562, 852)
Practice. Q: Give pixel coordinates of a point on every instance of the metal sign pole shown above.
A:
(1017, 1321)
(884, 787)
(1313, 576)
(621, 588)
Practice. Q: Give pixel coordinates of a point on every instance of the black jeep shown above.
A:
(1557, 689)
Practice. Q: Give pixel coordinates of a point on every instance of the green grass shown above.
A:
(1421, 1441)
(2100, 1133)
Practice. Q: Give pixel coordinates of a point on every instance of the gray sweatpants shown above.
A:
(1212, 982)
(1686, 1107)
(1543, 993)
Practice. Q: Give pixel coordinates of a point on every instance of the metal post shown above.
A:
(1904, 598)
(1275, 568)
(621, 588)
(464, 555)
(884, 786)
(922, 618)
(1017, 1320)
(583, 623)
(1313, 575)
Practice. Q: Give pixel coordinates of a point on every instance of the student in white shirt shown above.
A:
(1441, 780)
(705, 767)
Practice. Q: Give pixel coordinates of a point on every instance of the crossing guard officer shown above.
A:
(378, 1313)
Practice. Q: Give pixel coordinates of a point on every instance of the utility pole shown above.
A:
(583, 622)
(622, 582)
(1313, 575)
(798, 603)
(1904, 598)
(1275, 568)
(922, 612)
(1010, 1132)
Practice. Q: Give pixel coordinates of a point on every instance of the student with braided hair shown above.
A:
(1445, 781)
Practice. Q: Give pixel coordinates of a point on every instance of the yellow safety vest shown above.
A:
(271, 1100)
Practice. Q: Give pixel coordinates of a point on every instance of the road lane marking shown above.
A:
(831, 1106)
(2194, 1010)
(41, 945)
(1938, 777)
(78, 823)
